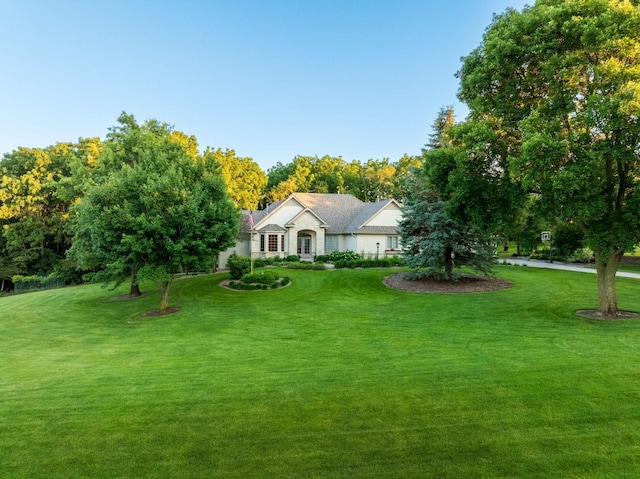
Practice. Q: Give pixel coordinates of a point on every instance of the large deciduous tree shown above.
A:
(563, 78)
(158, 215)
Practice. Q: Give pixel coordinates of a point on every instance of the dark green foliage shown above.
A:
(259, 281)
(434, 243)
(238, 265)
(292, 258)
(567, 238)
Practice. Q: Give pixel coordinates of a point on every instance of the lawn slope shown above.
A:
(334, 376)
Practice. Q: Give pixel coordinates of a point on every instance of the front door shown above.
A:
(304, 245)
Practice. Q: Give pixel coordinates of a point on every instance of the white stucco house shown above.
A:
(312, 224)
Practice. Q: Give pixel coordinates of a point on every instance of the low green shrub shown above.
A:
(259, 281)
(292, 258)
(347, 255)
(306, 266)
(388, 262)
(264, 277)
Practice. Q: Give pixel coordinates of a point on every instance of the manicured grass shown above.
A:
(334, 376)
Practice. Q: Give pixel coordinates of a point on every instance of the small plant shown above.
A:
(292, 258)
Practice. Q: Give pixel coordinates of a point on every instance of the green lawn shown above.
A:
(335, 376)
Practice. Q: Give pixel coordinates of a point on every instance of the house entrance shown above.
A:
(304, 245)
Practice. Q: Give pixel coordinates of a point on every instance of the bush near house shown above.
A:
(306, 266)
(370, 263)
(334, 256)
(238, 265)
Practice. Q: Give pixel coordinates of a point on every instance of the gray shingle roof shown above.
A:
(336, 210)
(342, 213)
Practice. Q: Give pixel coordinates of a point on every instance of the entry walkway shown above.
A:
(562, 266)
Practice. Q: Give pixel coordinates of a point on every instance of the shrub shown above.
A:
(264, 277)
(238, 265)
(292, 258)
(322, 258)
(259, 281)
(581, 255)
(370, 263)
(347, 255)
(306, 266)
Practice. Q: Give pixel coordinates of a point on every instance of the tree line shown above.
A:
(41, 189)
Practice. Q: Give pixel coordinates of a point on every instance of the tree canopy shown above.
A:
(560, 81)
(158, 215)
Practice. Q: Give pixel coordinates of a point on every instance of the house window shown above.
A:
(282, 243)
(392, 243)
(330, 243)
(273, 242)
(262, 243)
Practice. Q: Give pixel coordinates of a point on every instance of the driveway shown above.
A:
(563, 266)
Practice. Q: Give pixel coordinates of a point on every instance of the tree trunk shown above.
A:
(134, 290)
(448, 262)
(607, 267)
(164, 302)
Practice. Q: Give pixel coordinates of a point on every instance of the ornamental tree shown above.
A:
(562, 78)
(159, 215)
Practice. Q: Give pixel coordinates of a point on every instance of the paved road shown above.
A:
(562, 266)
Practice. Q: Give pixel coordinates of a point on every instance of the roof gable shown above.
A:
(337, 213)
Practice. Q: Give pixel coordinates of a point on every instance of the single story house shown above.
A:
(312, 224)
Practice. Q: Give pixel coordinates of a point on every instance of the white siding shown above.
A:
(391, 215)
(284, 214)
(241, 249)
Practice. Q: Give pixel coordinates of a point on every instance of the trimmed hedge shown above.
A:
(370, 263)
(307, 266)
(264, 277)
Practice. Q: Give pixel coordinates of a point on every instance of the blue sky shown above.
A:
(271, 79)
